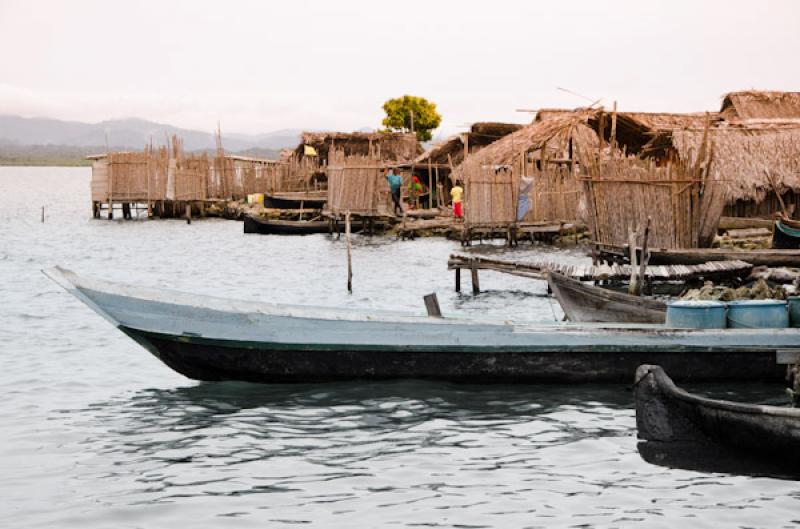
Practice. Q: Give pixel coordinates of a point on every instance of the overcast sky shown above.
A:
(259, 66)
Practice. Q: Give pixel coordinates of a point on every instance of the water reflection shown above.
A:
(712, 458)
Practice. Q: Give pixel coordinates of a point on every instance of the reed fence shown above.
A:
(680, 200)
(355, 183)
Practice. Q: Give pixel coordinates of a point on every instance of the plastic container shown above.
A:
(758, 314)
(255, 199)
(794, 310)
(696, 315)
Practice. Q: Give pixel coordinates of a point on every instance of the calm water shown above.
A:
(97, 433)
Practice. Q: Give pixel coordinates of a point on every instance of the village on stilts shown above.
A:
(688, 224)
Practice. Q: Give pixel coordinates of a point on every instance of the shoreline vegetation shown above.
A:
(75, 156)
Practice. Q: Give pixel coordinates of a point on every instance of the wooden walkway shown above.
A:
(538, 270)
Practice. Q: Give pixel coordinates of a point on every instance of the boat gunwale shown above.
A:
(75, 284)
(671, 390)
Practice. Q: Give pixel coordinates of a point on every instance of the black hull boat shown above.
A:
(209, 338)
(668, 415)
(296, 200)
(253, 224)
(587, 303)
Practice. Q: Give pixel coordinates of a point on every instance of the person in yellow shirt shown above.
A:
(456, 193)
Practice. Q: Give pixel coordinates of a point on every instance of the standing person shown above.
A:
(456, 193)
(415, 191)
(524, 201)
(395, 184)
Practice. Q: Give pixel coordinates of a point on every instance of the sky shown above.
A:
(260, 66)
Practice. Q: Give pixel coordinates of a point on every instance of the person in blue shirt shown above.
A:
(395, 184)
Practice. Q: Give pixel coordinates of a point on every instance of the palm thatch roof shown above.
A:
(646, 134)
(754, 105)
(553, 129)
(742, 156)
(480, 135)
(392, 146)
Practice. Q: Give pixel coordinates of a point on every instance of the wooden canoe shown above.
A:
(666, 413)
(582, 302)
(253, 224)
(296, 200)
(209, 338)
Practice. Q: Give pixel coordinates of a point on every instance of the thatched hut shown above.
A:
(749, 159)
(395, 147)
(754, 133)
(434, 167)
(546, 151)
(450, 153)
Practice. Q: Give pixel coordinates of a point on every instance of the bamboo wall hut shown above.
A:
(355, 184)
(233, 177)
(638, 173)
(682, 201)
(434, 166)
(545, 151)
(753, 132)
(128, 178)
(187, 179)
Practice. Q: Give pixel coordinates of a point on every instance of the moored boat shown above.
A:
(296, 200)
(582, 302)
(254, 224)
(666, 413)
(209, 338)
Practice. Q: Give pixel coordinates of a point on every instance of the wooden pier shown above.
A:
(604, 272)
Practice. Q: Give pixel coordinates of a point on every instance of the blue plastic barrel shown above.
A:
(794, 310)
(699, 314)
(758, 314)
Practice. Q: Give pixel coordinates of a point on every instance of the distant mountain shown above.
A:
(131, 133)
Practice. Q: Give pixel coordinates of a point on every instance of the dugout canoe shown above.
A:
(254, 224)
(296, 200)
(586, 303)
(210, 338)
(666, 413)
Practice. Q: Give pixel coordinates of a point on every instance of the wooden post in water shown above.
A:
(476, 287)
(645, 256)
(633, 287)
(188, 213)
(349, 252)
(432, 306)
(42, 213)
(458, 279)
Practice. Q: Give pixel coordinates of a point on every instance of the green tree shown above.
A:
(403, 111)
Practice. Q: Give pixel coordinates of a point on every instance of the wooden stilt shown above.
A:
(110, 210)
(645, 257)
(458, 279)
(633, 287)
(476, 287)
(188, 213)
(349, 253)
